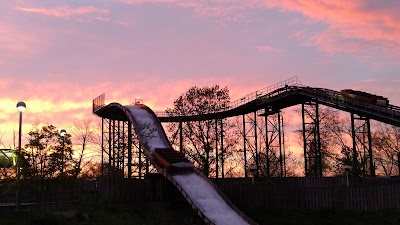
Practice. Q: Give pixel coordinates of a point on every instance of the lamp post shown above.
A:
(347, 169)
(253, 170)
(63, 132)
(21, 106)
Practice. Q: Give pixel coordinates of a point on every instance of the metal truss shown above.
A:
(311, 139)
(250, 142)
(363, 164)
(122, 155)
(274, 148)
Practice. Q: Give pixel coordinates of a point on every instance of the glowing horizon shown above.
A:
(57, 57)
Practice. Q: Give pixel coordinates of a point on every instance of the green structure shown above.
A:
(8, 158)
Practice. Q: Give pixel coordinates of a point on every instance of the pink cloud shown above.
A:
(224, 10)
(351, 26)
(14, 41)
(67, 12)
(268, 49)
(148, 1)
(369, 81)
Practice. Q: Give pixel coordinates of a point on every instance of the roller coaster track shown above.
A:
(290, 95)
(204, 197)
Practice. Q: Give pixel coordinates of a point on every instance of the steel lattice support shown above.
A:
(250, 143)
(280, 144)
(120, 151)
(273, 142)
(216, 149)
(129, 149)
(311, 139)
(222, 150)
(362, 146)
(103, 147)
(398, 162)
(180, 137)
(219, 149)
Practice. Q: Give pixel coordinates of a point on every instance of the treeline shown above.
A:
(217, 147)
(203, 145)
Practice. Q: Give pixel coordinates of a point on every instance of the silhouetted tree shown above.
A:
(83, 133)
(48, 151)
(92, 170)
(200, 136)
(274, 158)
(386, 146)
(334, 136)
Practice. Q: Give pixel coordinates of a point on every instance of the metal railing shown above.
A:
(294, 81)
(99, 102)
(334, 96)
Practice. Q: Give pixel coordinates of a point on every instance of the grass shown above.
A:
(285, 217)
(168, 213)
(104, 213)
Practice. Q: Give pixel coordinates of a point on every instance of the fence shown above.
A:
(372, 194)
(53, 192)
(310, 193)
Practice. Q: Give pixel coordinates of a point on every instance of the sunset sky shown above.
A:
(57, 56)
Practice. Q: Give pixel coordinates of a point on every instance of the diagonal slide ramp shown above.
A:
(204, 197)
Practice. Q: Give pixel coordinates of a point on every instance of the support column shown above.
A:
(250, 138)
(113, 146)
(280, 144)
(223, 151)
(311, 138)
(371, 158)
(180, 137)
(267, 145)
(318, 140)
(304, 139)
(123, 148)
(129, 149)
(272, 140)
(102, 146)
(283, 146)
(355, 155)
(118, 148)
(109, 146)
(244, 146)
(216, 148)
(362, 145)
(398, 162)
(140, 160)
(256, 144)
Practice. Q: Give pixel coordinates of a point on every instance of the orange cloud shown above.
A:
(62, 103)
(67, 12)
(351, 26)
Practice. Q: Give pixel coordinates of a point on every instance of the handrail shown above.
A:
(286, 87)
(334, 96)
(330, 97)
(98, 102)
(293, 81)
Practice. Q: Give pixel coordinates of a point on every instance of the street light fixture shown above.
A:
(63, 132)
(21, 106)
(347, 169)
(253, 170)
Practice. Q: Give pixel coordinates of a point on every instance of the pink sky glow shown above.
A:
(57, 56)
